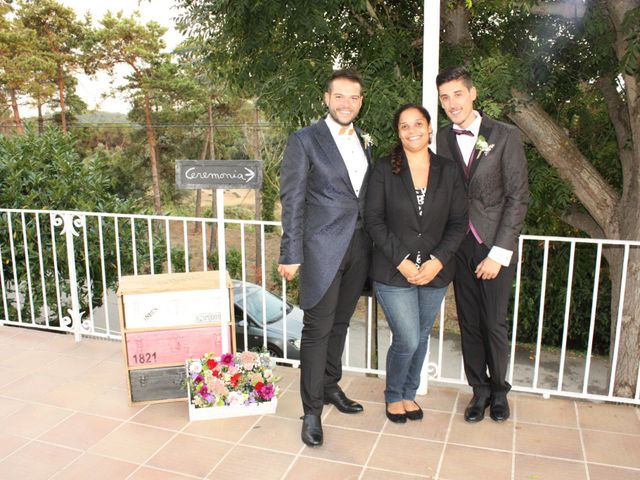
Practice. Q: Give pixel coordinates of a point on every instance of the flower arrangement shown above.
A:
(482, 146)
(242, 379)
(367, 139)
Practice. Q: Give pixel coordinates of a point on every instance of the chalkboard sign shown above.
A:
(213, 174)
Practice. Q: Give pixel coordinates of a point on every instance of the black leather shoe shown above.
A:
(415, 414)
(395, 417)
(499, 408)
(342, 403)
(311, 430)
(475, 410)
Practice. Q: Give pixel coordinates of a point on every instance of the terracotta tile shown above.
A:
(33, 387)
(132, 442)
(68, 366)
(343, 445)
(227, 429)
(96, 349)
(313, 469)
(9, 406)
(372, 418)
(548, 441)
(277, 433)
(106, 373)
(10, 374)
(32, 420)
(234, 464)
(529, 467)
(373, 474)
(487, 434)
(601, 472)
(406, 455)
(289, 405)
(147, 473)
(553, 411)
(170, 415)
(36, 461)
(438, 398)
(462, 463)
(112, 403)
(10, 443)
(72, 394)
(190, 455)
(288, 376)
(463, 400)
(611, 418)
(433, 426)
(612, 448)
(96, 467)
(80, 431)
(367, 389)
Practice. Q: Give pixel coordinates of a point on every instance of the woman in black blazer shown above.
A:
(416, 214)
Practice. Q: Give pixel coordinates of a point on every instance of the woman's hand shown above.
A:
(428, 271)
(408, 269)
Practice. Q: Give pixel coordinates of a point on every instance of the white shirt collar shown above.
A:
(475, 125)
(334, 126)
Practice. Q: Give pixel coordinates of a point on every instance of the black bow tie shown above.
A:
(463, 132)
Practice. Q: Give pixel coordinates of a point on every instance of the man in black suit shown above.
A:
(323, 180)
(491, 157)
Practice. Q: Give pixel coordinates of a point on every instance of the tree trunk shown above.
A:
(155, 182)
(40, 118)
(16, 111)
(63, 116)
(198, 211)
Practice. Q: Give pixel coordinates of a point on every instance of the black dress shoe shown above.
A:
(415, 414)
(342, 403)
(395, 417)
(475, 410)
(499, 408)
(311, 430)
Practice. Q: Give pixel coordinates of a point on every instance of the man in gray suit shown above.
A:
(323, 180)
(491, 157)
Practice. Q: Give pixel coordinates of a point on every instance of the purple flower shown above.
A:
(226, 359)
(197, 378)
(267, 392)
(203, 390)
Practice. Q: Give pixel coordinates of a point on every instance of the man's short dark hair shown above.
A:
(346, 73)
(456, 72)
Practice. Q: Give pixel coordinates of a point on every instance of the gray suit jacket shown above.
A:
(497, 186)
(320, 209)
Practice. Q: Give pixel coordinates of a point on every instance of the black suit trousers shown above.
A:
(326, 323)
(482, 313)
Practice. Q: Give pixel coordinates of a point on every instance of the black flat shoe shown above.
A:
(342, 403)
(395, 417)
(499, 408)
(415, 414)
(475, 410)
(311, 430)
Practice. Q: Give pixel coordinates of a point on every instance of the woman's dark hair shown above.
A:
(396, 153)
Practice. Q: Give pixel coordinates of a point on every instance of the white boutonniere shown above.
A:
(482, 146)
(367, 140)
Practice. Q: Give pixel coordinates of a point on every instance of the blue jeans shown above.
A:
(410, 312)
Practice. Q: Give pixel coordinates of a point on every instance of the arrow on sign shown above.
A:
(251, 174)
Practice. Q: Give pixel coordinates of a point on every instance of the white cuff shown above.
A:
(500, 255)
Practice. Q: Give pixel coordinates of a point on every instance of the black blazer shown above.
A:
(391, 218)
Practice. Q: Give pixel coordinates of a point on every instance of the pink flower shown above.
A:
(226, 359)
(267, 391)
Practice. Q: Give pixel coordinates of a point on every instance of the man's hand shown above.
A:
(288, 271)
(488, 269)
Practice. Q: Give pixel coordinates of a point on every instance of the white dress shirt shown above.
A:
(351, 151)
(467, 143)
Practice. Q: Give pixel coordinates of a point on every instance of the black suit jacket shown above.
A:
(497, 186)
(320, 210)
(392, 219)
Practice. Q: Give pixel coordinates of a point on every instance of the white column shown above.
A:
(430, 61)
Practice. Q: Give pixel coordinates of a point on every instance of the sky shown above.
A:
(92, 89)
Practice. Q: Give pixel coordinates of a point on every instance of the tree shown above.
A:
(123, 40)
(551, 73)
(60, 35)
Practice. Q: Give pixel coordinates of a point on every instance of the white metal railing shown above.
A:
(61, 269)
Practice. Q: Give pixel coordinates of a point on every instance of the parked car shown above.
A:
(273, 320)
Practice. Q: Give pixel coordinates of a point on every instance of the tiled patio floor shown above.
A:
(64, 415)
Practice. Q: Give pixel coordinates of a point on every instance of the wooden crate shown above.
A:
(166, 319)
